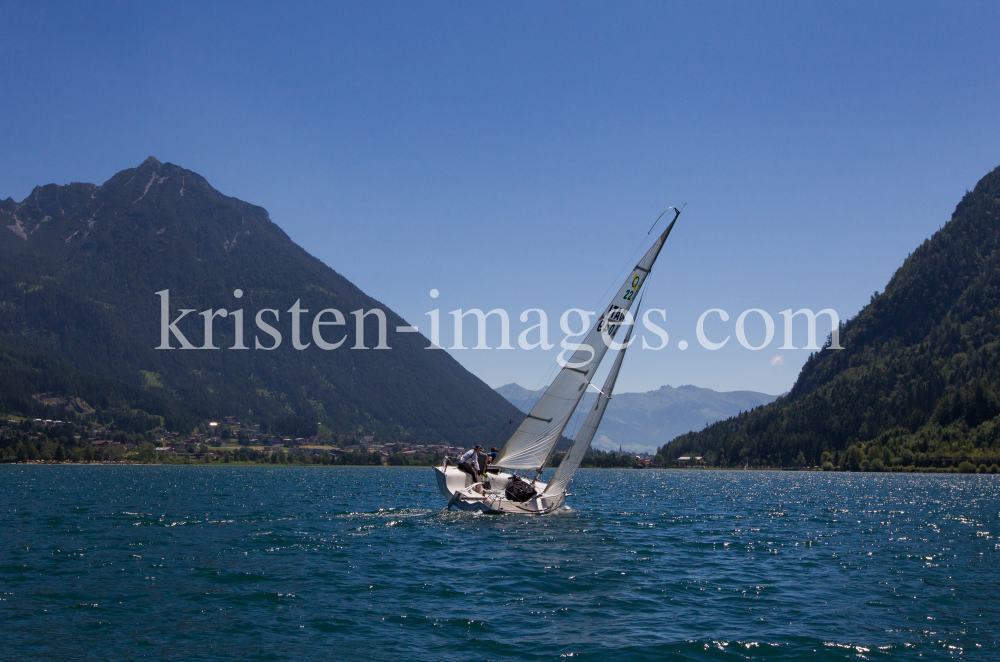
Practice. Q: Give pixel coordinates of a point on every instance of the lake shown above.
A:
(310, 563)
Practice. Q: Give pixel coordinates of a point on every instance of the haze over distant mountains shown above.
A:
(642, 422)
(80, 266)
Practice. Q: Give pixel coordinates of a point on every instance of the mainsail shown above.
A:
(533, 441)
(570, 463)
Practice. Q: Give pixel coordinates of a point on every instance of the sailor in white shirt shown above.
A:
(469, 463)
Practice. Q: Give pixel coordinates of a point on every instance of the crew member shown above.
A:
(469, 463)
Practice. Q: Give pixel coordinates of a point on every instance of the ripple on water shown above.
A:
(314, 563)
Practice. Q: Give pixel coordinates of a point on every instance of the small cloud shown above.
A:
(777, 360)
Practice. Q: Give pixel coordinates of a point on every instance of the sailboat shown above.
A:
(502, 490)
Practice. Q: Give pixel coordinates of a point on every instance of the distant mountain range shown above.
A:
(641, 422)
(80, 317)
(917, 384)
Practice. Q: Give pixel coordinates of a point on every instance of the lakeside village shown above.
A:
(27, 441)
(229, 441)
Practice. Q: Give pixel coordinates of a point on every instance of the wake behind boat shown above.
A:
(502, 490)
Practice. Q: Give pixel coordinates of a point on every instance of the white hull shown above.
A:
(462, 493)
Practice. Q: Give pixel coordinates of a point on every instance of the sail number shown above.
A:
(630, 294)
(616, 314)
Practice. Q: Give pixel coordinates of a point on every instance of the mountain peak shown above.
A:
(90, 259)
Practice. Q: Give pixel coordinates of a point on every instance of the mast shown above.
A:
(569, 465)
(534, 439)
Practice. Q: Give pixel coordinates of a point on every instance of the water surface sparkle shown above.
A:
(278, 563)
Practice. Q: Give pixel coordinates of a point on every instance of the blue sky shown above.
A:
(514, 155)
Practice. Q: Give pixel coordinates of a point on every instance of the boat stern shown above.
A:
(451, 479)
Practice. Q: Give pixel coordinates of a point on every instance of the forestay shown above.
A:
(570, 463)
(533, 441)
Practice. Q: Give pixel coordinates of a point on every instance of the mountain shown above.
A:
(640, 422)
(80, 271)
(38, 386)
(916, 385)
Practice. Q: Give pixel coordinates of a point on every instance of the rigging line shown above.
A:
(574, 417)
(497, 430)
(523, 401)
(545, 379)
(641, 243)
(500, 432)
(579, 410)
(575, 424)
(601, 392)
(664, 212)
(618, 275)
(638, 306)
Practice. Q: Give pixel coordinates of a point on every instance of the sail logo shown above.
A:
(630, 293)
(613, 317)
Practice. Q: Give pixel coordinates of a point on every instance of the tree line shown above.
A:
(917, 386)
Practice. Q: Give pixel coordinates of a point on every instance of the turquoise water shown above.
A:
(259, 563)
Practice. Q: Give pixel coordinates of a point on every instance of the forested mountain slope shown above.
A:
(39, 386)
(917, 383)
(80, 266)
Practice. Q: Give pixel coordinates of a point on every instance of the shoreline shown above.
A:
(922, 470)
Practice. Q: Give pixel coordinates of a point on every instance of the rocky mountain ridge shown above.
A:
(81, 268)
